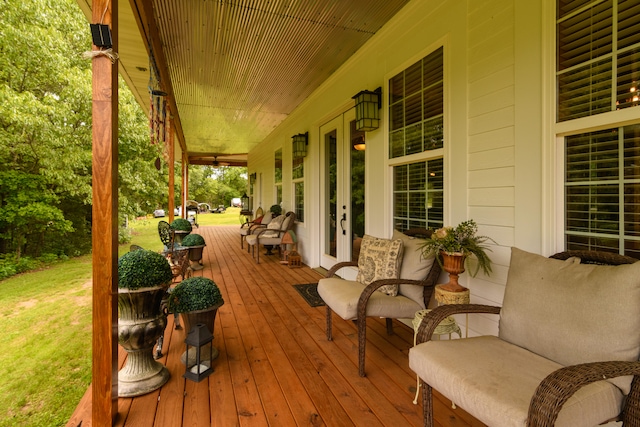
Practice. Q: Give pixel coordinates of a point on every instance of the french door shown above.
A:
(342, 190)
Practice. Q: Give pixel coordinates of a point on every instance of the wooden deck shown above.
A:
(276, 367)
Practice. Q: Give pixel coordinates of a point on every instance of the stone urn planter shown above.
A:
(195, 243)
(143, 279)
(197, 300)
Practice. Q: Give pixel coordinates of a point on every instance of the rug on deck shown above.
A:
(309, 291)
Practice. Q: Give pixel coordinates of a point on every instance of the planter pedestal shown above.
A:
(141, 322)
(195, 257)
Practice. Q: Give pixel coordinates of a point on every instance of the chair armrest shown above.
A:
(560, 385)
(438, 314)
(338, 266)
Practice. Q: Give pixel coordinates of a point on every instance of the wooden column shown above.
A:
(185, 183)
(105, 224)
(171, 158)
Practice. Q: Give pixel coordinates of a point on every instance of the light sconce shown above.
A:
(252, 178)
(368, 106)
(300, 142)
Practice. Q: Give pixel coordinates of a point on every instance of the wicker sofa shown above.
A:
(566, 353)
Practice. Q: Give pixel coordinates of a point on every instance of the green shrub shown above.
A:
(143, 269)
(180, 224)
(193, 240)
(276, 210)
(194, 293)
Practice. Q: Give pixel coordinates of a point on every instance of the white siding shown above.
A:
(493, 127)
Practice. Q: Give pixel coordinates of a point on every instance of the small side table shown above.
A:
(444, 297)
(447, 326)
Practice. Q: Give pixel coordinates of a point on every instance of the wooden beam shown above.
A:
(185, 183)
(105, 223)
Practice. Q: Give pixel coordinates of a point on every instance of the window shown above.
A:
(598, 70)
(416, 125)
(278, 176)
(298, 187)
(602, 191)
(598, 67)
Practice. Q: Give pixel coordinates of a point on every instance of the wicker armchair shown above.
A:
(270, 235)
(588, 342)
(352, 300)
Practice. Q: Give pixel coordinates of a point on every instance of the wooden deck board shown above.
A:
(276, 367)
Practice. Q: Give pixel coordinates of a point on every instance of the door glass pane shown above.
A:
(331, 164)
(357, 190)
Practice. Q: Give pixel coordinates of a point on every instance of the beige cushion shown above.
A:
(414, 266)
(494, 381)
(572, 313)
(379, 259)
(275, 224)
(343, 295)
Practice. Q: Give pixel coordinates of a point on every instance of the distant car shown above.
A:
(219, 209)
(158, 213)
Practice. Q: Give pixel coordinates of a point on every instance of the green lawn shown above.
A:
(45, 361)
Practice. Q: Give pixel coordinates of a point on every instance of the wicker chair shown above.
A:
(529, 352)
(270, 235)
(351, 300)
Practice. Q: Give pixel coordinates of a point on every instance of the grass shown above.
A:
(45, 361)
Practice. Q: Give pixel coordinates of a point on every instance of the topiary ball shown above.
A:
(276, 210)
(180, 224)
(193, 294)
(193, 240)
(143, 269)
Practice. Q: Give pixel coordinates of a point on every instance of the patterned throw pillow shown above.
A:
(275, 224)
(379, 259)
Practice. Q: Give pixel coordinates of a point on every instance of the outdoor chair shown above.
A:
(252, 227)
(271, 234)
(566, 353)
(414, 281)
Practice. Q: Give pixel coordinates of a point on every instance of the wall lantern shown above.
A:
(368, 106)
(300, 142)
(245, 202)
(252, 178)
(199, 340)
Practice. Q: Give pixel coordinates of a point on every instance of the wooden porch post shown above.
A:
(105, 224)
(185, 183)
(171, 160)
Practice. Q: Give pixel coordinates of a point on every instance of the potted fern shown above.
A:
(195, 243)
(197, 300)
(455, 245)
(143, 279)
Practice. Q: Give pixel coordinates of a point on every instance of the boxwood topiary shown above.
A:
(193, 240)
(180, 224)
(143, 269)
(194, 293)
(276, 210)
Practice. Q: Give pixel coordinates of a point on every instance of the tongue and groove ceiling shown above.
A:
(235, 69)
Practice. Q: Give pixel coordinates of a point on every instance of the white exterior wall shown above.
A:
(494, 129)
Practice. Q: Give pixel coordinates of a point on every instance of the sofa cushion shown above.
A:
(343, 295)
(572, 313)
(494, 381)
(379, 259)
(414, 266)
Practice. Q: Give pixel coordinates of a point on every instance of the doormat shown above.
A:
(309, 291)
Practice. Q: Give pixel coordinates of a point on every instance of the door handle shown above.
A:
(342, 220)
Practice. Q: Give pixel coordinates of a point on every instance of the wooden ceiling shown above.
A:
(235, 69)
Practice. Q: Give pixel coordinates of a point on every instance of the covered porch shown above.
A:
(276, 366)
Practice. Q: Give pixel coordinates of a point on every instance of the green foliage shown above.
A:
(276, 210)
(143, 269)
(181, 224)
(45, 134)
(462, 239)
(216, 186)
(193, 240)
(194, 293)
